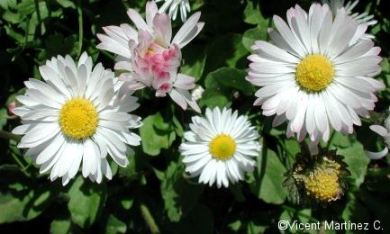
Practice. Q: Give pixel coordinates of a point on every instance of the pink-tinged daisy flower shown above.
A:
(317, 72)
(150, 57)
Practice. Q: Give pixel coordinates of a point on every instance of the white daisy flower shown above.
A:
(150, 57)
(363, 18)
(317, 73)
(78, 114)
(173, 6)
(383, 131)
(220, 147)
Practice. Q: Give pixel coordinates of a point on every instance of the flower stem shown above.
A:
(149, 219)
(21, 165)
(9, 136)
(81, 29)
(38, 11)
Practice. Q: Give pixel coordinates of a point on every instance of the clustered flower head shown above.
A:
(321, 179)
(316, 74)
(323, 183)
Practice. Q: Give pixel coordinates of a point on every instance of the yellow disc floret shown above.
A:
(323, 182)
(222, 147)
(78, 119)
(314, 73)
(323, 186)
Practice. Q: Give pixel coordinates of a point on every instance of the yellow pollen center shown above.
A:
(323, 184)
(150, 51)
(78, 119)
(314, 73)
(222, 147)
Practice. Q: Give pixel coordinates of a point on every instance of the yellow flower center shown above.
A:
(323, 184)
(78, 119)
(222, 147)
(314, 73)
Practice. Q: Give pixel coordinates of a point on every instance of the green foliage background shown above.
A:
(153, 193)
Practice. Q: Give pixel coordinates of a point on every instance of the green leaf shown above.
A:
(179, 196)
(252, 13)
(127, 203)
(357, 162)
(178, 126)
(8, 4)
(66, 4)
(267, 182)
(22, 207)
(85, 201)
(231, 78)
(156, 134)
(129, 172)
(252, 35)
(199, 220)
(60, 226)
(194, 61)
(56, 44)
(213, 98)
(26, 7)
(221, 86)
(354, 209)
(252, 227)
(253, 16)
(339, 140)
(11, 17)
(292, 147)
(291, 214)
(114, 225)
(18, 37)
(3, 117)
(247, 226)
(226, 50)
(354, 156)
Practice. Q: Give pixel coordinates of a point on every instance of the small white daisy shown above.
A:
(383, 131)
(220, 147)
(76, 115)
(317, 73)
(173, 6)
